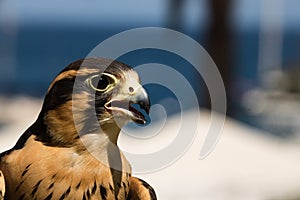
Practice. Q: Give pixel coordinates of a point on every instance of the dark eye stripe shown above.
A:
(60, 93)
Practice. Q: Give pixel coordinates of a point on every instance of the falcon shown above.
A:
(70, 151)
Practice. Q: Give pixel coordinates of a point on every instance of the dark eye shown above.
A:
(102, 83)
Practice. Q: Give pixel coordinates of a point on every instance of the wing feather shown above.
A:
(2, 186)
(140, 190)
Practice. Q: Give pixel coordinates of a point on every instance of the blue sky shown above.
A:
(246, 13)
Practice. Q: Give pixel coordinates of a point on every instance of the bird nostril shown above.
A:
(131, 89)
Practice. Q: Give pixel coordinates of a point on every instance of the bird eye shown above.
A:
(102, 83)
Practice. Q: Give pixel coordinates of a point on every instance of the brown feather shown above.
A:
(2, 186)
(51, 161)
(140, 190)
(36, 167)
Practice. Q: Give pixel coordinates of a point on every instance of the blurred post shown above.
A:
(217, 40)
(8, 50)
(270, 42)
(218, 43)
(175, 14)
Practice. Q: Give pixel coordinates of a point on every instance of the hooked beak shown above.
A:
(127, 105)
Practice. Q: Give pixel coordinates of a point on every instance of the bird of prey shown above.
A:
(66, 154)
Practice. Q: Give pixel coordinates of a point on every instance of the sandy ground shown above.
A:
(245, 165)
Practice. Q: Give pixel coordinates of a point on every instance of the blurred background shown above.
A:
(255, 44)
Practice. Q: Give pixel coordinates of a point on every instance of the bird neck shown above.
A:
(112, 130)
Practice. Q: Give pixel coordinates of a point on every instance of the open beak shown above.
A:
(130, 105)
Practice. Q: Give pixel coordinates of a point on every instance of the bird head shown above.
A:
(94, 88)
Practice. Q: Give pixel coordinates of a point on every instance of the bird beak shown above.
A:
(126, 104)
(141, 98)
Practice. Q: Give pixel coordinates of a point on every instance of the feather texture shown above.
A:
(67, 155)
